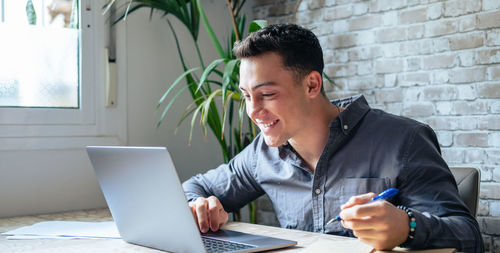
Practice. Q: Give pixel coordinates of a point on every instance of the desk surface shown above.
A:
(303, 238)
(113, 245)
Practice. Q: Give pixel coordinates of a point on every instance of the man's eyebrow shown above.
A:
(269, 83)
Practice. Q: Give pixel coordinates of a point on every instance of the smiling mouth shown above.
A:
(261, 125)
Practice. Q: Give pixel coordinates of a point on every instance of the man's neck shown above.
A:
(311, 143)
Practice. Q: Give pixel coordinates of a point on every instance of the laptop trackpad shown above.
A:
(234, 236)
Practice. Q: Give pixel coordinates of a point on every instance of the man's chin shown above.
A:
(274, 142)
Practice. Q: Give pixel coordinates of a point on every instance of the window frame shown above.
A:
(58, 116)
(55, 128)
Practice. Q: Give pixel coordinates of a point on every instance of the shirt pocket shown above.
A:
(356, 186)
(346, 188)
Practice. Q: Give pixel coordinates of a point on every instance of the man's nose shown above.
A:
(253, 109)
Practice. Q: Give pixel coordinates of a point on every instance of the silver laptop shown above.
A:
(146, 200)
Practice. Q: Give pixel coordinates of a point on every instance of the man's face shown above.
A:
(274, 99)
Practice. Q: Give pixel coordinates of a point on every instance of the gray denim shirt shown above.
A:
(367, 150)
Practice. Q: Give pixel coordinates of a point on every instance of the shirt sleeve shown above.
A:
(429, 189)
(234, 184)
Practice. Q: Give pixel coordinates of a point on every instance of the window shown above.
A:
(39, 66)
(57, 100)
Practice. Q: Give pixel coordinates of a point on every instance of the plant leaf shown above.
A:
(238, 9)
(206, 108)
(186, 113)
(241, 24)
(177, 8)
(177, 45)
(174, 84)
(193, 120)
(122, 16)
(195, 19)
(107, 6)
(30, 13)
(207, 72)
(214, 82)
(209, 29)
(257, 25)
(225, 107)
(170, 104)
(231, 66)
(330, 80)
(127, 11)
(241, 113)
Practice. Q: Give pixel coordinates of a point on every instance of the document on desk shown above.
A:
(330, 246)
(65, 230)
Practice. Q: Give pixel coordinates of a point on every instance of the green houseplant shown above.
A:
(209, 85)
(217, 103)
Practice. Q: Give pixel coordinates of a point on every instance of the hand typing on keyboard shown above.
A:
(208, 213)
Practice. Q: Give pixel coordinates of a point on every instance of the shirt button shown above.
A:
(318, 191)
(345, 127)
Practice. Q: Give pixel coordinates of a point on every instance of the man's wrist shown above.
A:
(412, 225)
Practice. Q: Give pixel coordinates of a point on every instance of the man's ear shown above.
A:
(313, 82)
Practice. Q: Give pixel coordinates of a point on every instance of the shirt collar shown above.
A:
(355, 109)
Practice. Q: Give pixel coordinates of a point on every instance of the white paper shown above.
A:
(65, 230)
(55, 237)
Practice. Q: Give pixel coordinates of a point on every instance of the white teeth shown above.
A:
(267, 125)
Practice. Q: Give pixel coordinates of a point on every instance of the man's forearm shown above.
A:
(459, 232)
(194, 188)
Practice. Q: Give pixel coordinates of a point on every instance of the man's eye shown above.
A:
(268, 94)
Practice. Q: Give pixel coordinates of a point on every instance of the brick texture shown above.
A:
(439, 61)
(489, 20)
(337, 13)
(466, 41)
(493, 37)
(461, 7)
(340, 41)
(441, 27)
(435, 61)
(364, 22)
(467, 75)
(391, 34)
(472, 139)
(413, 16)
(489, 90)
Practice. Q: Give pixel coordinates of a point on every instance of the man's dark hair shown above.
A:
(298, 47)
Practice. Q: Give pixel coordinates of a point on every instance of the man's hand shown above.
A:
(208, 213)
(379, 223)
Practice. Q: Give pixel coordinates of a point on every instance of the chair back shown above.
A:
(468, 180)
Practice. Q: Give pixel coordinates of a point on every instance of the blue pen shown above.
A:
(389, 193)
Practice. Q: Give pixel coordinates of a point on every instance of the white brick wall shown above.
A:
(435, 61)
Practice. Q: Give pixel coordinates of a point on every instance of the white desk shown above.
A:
(116, 245)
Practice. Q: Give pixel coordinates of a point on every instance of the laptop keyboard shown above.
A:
(214, 245)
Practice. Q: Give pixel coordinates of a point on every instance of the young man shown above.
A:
(315, 158)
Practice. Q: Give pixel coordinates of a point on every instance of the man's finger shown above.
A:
(373, 209)
(374, 223)
(224, 216)
(192, 206)
(357, 200)
(202, 214)
(214, 209)
(366, 234)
